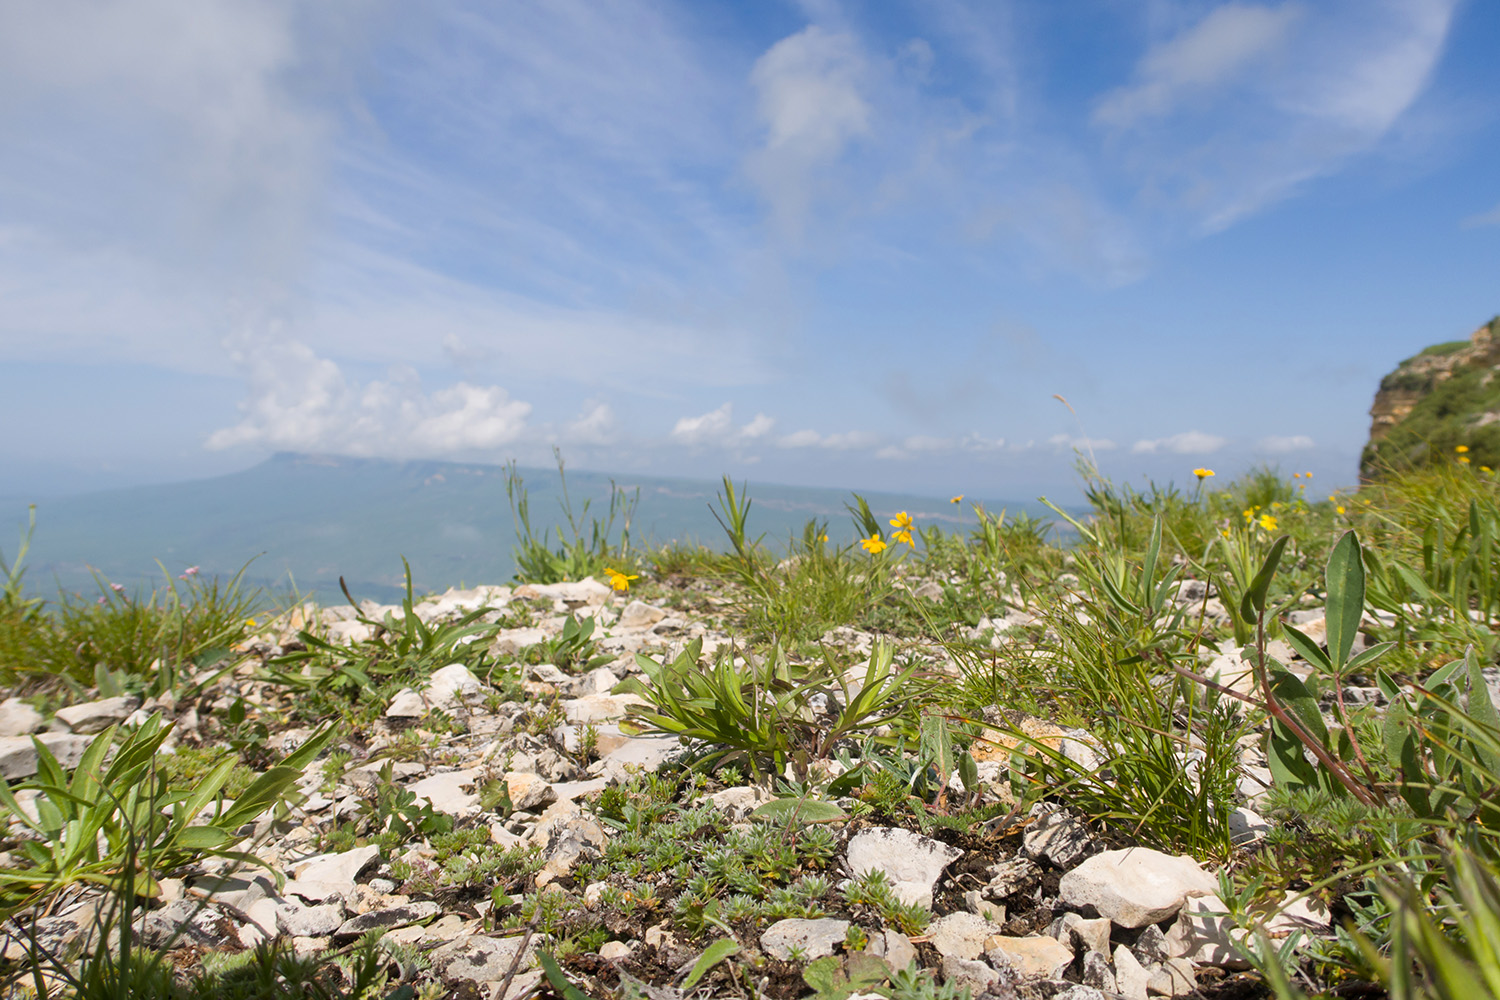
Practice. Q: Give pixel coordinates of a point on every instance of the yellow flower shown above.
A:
(873, 545)
(1307, 475)
(620, 581)
(1461, 448)
(957, 499)
(823, 538)
(1485, 468)
(902, 521)
(1203, 473)
(1338, 510)
(904, 536)
(1224, 532)
(1464, 459)
(1268, 522)
(250, 622)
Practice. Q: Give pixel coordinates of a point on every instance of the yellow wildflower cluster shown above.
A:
(873, 545)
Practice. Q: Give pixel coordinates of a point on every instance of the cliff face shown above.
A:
(1444, 397)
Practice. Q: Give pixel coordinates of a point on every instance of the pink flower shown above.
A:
(190, 571)
(101, 598)
(118, 588)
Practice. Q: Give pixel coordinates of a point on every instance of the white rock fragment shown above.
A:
(1137, 886)
(811, 938)
(1036, 956)
(963, 934)
(912, 862)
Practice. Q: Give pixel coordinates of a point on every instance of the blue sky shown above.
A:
(842, 244)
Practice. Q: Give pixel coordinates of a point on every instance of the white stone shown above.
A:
(510, 641)
(19, 719)
(1172, 978)
(1246, 826)
(453, 685)
(336, 869)
(1203, 938)
(406, 704)
(635, 754)
(390, 916)
(1131, 978)
(1136, 886)
(528, 791)
(896, 950)
(612, 950)
(599, 707)
(18, 753)
(1085, 935)
(479, 957)
(309, 921)
(964, 972)
(1055, 834)
(1298, 913)
(737, 803)
(963, 934)
(912, 862)
(638, 614)
(812, 938)
(445, 792)
(1038, 955)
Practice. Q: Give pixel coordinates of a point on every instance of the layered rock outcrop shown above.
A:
(1436, 401)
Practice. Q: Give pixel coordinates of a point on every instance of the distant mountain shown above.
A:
(314, 518)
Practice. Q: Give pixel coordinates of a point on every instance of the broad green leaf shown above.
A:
(1306, 648)
(200, 838)
(558, 981)
(806, 810)
(712, 956)
(1346, 597)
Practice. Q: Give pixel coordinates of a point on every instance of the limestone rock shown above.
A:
(1131, 978)
(391, 916)
(1206, 939)
(813, 938)
(97, 716)
(1037, 956)
(963, 934)
(912, 862)
(1136, 886)
(528, 791)
(638, 614)
(18, 753)
(1058, 836)
(480, 958)
(963, 972)
(445, 792)
(599, 707)
(19, 719)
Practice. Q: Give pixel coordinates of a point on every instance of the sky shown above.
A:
(863, 245)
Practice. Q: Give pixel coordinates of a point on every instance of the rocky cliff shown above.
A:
(1443, 398)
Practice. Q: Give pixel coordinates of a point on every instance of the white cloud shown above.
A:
(1218, 48)
(1238, 110)
(596, 425)
(841, 441)
(1282, 445)
(1186, 443)
(808, 90)
(716, 427)
(1070, 443)
(301, 402)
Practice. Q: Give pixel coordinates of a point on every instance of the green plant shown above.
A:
(914, 983)
(760, 712)
(88, 827)
(327, 677)
(574, 648)
(578, 555)
(393, 813)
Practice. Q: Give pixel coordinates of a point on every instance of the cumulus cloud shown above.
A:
(1283, 445)
(808, 96)
(842, 441)
(1186, 443)
(716, 427)
(299, 401)
(596, 425)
